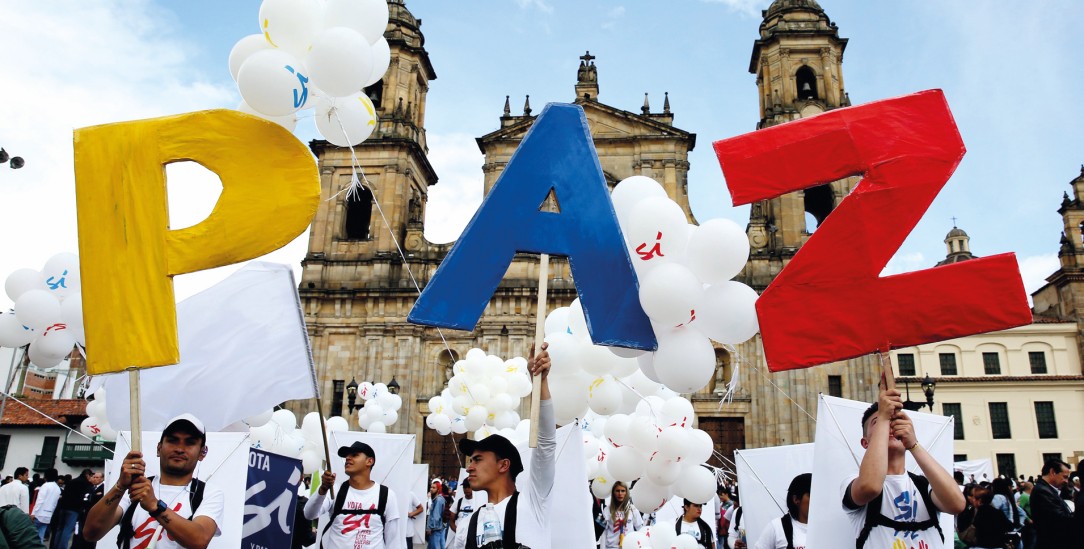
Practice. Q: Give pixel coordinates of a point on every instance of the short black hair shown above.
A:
(20, 471)
(799, 486)
(465, 484)
(51, 475)
(1054, 465)
(688, 503)
(866, 415)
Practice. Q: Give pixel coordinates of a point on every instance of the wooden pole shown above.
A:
(327, 449)
(887, 376)
(133, 407)
(539, 338)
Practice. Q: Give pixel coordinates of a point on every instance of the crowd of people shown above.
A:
(50, 506)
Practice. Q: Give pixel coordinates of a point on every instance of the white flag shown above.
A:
(243, 347)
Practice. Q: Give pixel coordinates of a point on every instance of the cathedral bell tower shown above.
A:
(798, 62)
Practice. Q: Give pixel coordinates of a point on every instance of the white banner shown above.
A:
(764, 475)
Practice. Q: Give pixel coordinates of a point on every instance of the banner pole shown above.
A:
(887, 376)
(133, 409)
(327, 449)
(539, 339)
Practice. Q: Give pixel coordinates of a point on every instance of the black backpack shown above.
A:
(875, 518)
(340, 502)
(509, 526)
(195, 497)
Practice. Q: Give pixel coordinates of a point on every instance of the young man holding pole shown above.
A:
(508, 521)
(364, 513)
(176, 509)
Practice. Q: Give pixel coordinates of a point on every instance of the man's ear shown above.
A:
(203, 452)
(505, 465)
(158, 450)
(865, 444)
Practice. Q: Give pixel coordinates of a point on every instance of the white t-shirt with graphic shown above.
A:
(351, 531)
(626, 523)
(693, 529)
(145, 528)
(465, 508)
(901, 502)
(773, 536)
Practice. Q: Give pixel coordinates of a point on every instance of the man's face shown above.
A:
(357, 463)
(96, 479)
(893, 442)
(180, 452)
(1057, 479)
(468, 492)
(483, 468)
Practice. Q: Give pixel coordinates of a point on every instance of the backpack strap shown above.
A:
(874, 517)
(336, 509)
(705, 533)
(737, 518)
(509, 525)
(788, 530)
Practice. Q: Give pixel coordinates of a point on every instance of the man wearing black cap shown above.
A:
(175, 508)
(364, 513)
(493, 464)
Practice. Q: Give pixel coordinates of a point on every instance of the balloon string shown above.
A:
(740, 359)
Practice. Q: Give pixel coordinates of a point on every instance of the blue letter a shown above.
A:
(556, 154)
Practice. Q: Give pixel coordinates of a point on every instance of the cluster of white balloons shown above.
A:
(315, 54)
(277, 432)
(97, 424)
(656, 446)
(684, 272)
(381, 408)
(483, 395)
(48, 312)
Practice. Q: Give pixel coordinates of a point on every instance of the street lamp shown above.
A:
(928, 385)
(352, 395)
(16, 162)
(393, 386)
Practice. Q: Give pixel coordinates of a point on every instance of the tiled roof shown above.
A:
(992, 379)
(67, 411)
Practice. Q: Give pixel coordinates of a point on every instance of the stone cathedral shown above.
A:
(360, 279)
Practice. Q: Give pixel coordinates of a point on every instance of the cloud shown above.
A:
(540, 5)
(612, 16)
(458, 193)
(745, 7)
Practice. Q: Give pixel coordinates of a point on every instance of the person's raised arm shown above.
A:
(543, 463)
(319, 502)
(874, 468)
(946, 495)
(107, 513)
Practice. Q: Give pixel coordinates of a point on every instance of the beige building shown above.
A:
(368, 255)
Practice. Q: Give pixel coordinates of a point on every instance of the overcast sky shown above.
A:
(1010, 70)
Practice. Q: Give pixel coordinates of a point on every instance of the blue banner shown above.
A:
(270, 500)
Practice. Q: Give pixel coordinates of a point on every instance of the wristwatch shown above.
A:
(159, 510)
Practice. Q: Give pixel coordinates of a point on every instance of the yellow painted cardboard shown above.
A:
(128, 254)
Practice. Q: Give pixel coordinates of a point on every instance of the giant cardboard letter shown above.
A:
(270, 191)
(556, 154)
(830, 303)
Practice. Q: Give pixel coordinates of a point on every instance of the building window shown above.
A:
(999, 420)
(806, 80)
(956, 458)
(1038, 362)
(906, 362)
(835, 386)
(954, 409)
(1055, 455)
(5, 440)
(338, 386)
(359, 214)
(1006, 465)
(948, 363)
(1044, 417)
(991, 363)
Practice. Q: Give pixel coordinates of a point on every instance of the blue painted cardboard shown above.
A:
(557, 153)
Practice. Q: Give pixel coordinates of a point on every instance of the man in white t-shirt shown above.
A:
(493, 465)
(16, 492)
(887, 506)
(462, 509)
(45, 503)
(416, 508)
(175, 508)
(364, 514)
(789, 530)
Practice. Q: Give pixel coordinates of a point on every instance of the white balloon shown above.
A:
(61, 274)
(677, 411)
(728, 313)
(662, 536)
(285, 418)
(685, 360)
(38, 309)
(71, 314)
(274, 83)
(395, 402)
(311, 426)
(696, 484)
(90, 427)
(476, 417)
(565, 352)
(368, 17)
(624, 367)
(648, 496)
(42, 359)
(644, 436)
(625, 464)
(717, 250)
(602, 485)
(21, 280)
(288, 121)
(345, 121)
(310, 462)
(108, 432)
(685, 541)
(475, 354)
(381, 61)
(290, 24)
(657, 233)
(670, 294)
(577, 322)
(597, 360)
(336, 424)
(569, 397)
(626, 353)
(389, 417)
(377, 427)
(604, 395)
(506, 420)
(662, 471)
(339, 61)
(259, 420)
(96, 408)
(701, 447)
(244, 48)
(646, 362)
(631, 190)
(672, 443)
(557, 321)
(641, 384)
(12, 332)
(617, 430)
(55, 342)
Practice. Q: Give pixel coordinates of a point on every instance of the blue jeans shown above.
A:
(42, 527)
(436, 539)
(62, 537)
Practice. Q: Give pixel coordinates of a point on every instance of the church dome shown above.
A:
(779, 6)
(956, 232)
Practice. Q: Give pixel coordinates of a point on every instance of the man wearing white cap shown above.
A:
(176, 509)
(364, 513)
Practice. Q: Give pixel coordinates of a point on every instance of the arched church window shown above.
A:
(806, 81)
(445, 360)
(819, 202)
(359, 214)
(375, 93)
